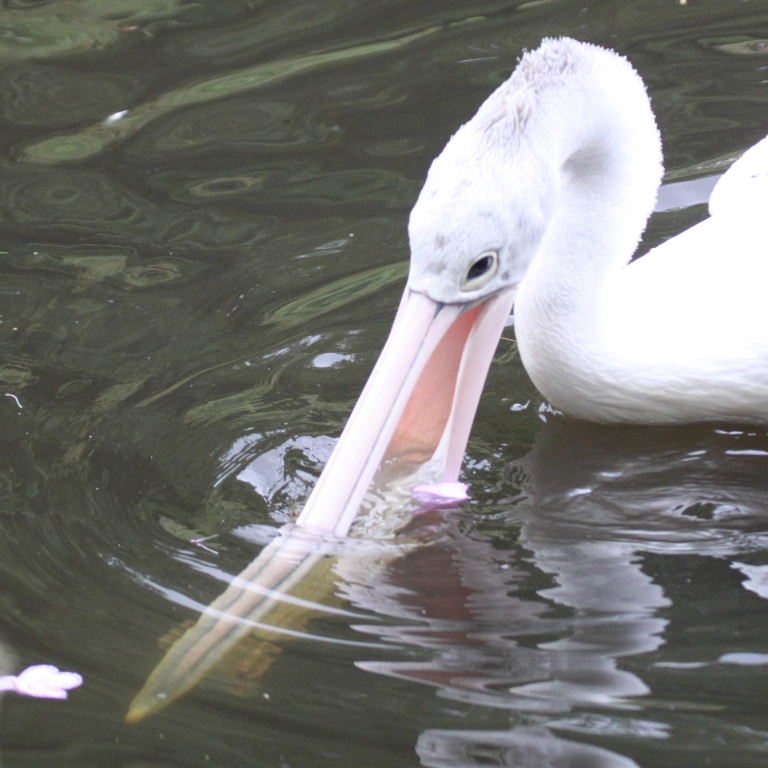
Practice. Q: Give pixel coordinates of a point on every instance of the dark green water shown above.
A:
(192, 294)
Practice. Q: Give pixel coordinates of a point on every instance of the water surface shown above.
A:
(202, 211)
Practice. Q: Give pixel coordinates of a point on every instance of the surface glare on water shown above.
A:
(203, 214)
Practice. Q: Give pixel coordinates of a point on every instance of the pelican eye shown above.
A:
(480, 271)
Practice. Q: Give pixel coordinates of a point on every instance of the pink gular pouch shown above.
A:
(415, 411)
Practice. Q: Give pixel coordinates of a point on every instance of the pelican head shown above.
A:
(479, 219)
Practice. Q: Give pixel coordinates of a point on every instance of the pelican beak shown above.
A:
(417, 406)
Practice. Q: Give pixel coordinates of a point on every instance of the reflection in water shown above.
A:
(545, 625)
(32, 31)
(528, 746)
(98, 137)
(590, 511)
(32, 94)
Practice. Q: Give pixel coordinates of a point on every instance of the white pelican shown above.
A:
(541, 198)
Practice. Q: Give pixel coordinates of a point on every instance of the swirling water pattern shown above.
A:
(202, 209)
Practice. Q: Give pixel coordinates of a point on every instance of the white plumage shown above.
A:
(558, 172)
